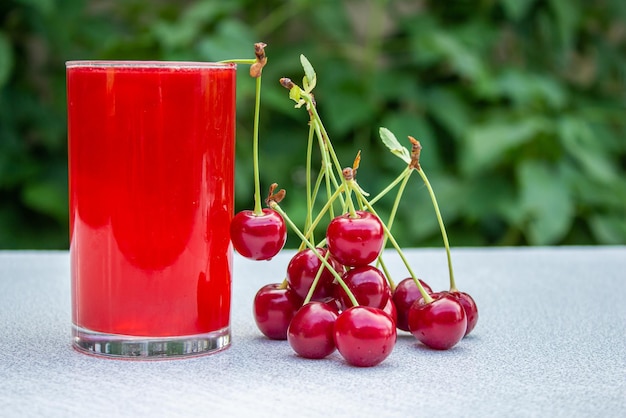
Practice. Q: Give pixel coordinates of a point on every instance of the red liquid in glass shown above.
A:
(151, 163)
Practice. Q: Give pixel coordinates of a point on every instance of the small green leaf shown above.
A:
(309, 72)
(391, 142)
(295, 94)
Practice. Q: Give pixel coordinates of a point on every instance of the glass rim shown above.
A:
(147, 64)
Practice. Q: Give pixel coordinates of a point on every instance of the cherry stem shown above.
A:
(309, 196)
(328, 173)
(328, 145)
(316, 280)
(427, 298)
(258, 209)
(239, 61)
(351, 208)
(320, 215)
(453, 287)
(405, 173)
(383, 266)
(326, 264)
(405, 178)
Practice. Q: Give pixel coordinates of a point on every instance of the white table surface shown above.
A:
(550, 342)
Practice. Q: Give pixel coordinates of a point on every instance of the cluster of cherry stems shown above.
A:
(337, 293)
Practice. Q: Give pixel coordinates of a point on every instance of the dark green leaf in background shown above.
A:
(546, 202)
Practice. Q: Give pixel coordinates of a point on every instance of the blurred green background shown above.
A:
(520, 105)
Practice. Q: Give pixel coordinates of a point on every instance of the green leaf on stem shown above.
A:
(310, 78)
(295, 94)
(391, 142)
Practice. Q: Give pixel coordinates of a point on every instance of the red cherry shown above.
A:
(310, 333)
(355, 241)
(470, 308)
(367, 284)
(259, 237)
(302, 270)
(274, 307)
(439, 324)
(364, 336)
(405, 293)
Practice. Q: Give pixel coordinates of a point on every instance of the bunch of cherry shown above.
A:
(338, 293)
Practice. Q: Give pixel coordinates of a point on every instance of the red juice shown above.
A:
(151, 177)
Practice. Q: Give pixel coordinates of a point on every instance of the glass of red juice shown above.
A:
(151, 177)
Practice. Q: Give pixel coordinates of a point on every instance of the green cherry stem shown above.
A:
(329, 146)
(258, 209)
(309, 195)
(383, 266)
(444, 235)
(328, 175)
(405, 178)
(328, 172)
(394, 243)
(350, 183)
(316, 280)
(326, 264)
(320, 215)
(405, 173)
(248, 61)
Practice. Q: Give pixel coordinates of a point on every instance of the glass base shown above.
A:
(148, 348)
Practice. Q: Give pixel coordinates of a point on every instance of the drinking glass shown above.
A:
(151, 177)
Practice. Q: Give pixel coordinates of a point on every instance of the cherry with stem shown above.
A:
(261, 233)
(466, 301)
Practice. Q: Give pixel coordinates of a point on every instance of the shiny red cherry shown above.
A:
(405, 293)
(258, 237)
(311, 332)
(273, 309)
(302, 270)
(439, 324)
(364, 336)
(367, 284)
(355, 241)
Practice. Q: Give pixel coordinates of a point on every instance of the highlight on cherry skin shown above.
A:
(258, 237)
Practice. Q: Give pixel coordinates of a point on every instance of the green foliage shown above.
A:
(519, 105)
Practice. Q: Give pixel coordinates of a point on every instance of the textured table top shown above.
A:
(550, 341)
